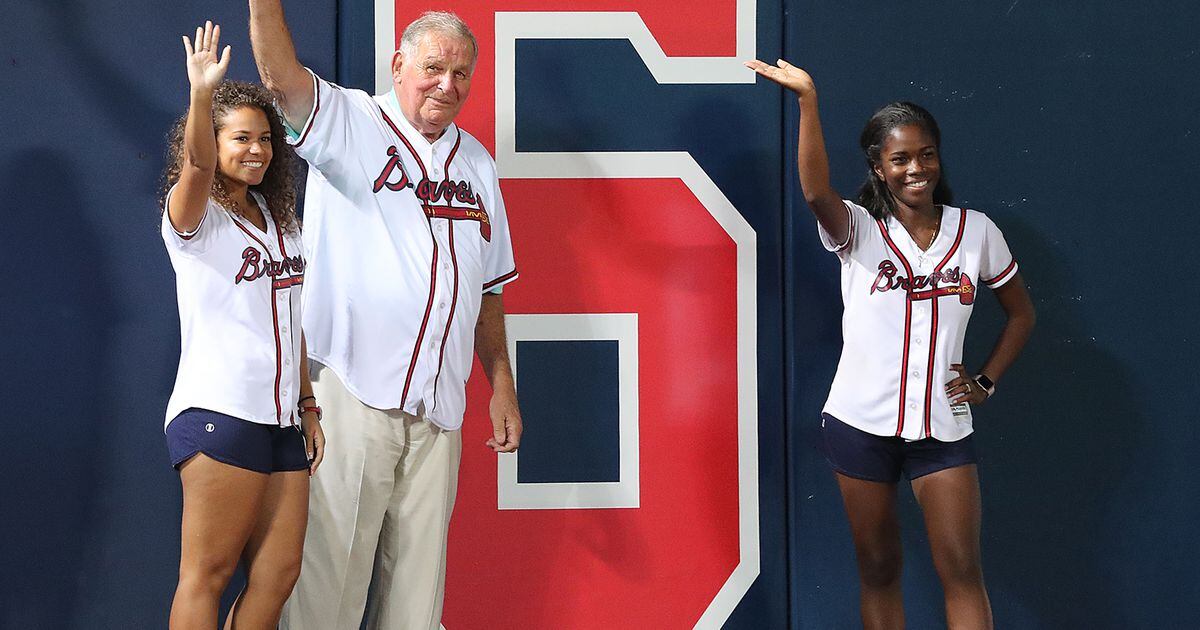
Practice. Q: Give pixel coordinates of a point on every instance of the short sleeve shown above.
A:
(193, 242)
(327, 134)
(859, 219)
(499, 267)
(997, 265)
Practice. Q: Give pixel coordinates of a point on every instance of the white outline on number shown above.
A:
(626, 491)
(511, 26)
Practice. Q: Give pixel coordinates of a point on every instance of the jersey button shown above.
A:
(916, 374)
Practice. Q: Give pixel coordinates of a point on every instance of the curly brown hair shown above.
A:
(278, 186)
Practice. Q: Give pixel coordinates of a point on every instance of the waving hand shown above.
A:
(205, 70)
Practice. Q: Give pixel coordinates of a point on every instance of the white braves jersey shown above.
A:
(403, 238)
(239, 317)
(906, 313)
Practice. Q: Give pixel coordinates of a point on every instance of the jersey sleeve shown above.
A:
(499, 266)
(328, 133)
(191, 243)
(997, 265)
(859, 220)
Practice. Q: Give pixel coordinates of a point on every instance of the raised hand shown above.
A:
(205, 70)
(785, 74)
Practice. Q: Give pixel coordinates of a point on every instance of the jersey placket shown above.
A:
(919, 339)
(440, 157)
(283, 295)
(281, 311)
(922, 337)
(426, 361)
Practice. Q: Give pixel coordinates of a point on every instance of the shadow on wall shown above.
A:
(1056, 443)
(53, 314)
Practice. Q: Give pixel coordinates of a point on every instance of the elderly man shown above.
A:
(408, 245)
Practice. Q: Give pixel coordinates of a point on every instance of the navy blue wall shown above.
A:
(89, 506)
(1071, 125)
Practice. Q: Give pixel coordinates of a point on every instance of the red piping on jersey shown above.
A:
(279, 234)
(962, 223)
(907, 324)
(453, 152)
(412, 364)
(1002, 273)
(274, 326)
(449, 318)
(396, 130)
(312, 119)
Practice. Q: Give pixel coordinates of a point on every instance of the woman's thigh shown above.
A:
(277, 542)
(220, 508)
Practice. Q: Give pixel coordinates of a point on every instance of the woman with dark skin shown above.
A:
(904, 186)
(245, 444)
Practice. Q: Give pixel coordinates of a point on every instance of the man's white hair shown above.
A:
(436, 22)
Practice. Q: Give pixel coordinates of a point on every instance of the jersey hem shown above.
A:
(230, 410)
(857, 424)
(354, 391)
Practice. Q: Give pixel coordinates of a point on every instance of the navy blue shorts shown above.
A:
(258, 447)
(856, 453)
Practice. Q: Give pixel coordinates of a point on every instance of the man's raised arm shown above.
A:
(278, 66)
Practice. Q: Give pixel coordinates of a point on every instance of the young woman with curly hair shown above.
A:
(242, 425)
(901, 400)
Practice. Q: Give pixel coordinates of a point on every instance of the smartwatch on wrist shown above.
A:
(986, 383)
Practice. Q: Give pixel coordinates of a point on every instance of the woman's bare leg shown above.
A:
(952, 506)
(871, 508)
(273, 553)
(220, 507)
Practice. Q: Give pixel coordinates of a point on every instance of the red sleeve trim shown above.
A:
(849, 230)
(502, 279)
(1002, 274)
(316, 108)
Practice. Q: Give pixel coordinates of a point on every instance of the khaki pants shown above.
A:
(381, 499)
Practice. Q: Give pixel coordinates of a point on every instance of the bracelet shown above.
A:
(312, 398)
(986, 383)
(304, 410)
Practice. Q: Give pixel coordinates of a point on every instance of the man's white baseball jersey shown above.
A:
(906, 313)
(239, 314)
(403, 237)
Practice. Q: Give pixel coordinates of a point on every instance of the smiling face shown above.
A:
(910, 166)
(244, 145)
(433, 84)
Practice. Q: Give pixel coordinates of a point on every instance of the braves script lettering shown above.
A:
(393, 163)
(925, 287)
(437, 198)
(254, 267)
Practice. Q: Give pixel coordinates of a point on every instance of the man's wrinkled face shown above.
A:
(433, 85)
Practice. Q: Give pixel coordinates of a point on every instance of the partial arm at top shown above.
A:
(491, 345)
(185, 207)
(811, 160)
(278, 66)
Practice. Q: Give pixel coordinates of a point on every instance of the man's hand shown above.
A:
(506, 422)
